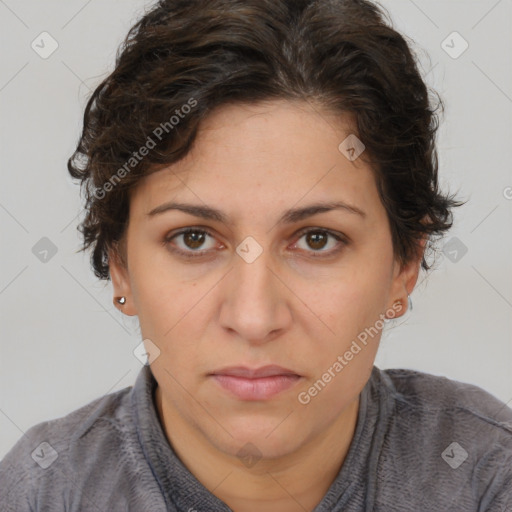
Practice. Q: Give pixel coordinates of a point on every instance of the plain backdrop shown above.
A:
(64, 344)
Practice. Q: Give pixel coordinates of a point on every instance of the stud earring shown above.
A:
(121, 300)
(409, 303)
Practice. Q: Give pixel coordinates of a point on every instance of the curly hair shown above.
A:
(184, 58)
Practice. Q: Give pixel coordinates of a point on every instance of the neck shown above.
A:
(294, 482)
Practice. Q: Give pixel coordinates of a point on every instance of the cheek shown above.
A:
(326, 396)
(173, 316)
(339, 367)
(346, 320)
(346, 304)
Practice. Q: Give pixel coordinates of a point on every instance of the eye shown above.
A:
(317, 239)
(191, 240)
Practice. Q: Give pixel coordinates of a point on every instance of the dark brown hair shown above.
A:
(184, 58)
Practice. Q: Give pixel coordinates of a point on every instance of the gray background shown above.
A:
(64, 344)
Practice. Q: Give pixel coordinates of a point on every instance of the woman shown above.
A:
(261, 189)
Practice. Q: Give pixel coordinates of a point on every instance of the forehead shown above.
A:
(264, 157)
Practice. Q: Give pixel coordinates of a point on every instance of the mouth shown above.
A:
(255, 384)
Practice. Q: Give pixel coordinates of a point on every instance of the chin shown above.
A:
(257, 438)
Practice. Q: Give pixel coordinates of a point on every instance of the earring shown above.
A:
(409, 303)
(121, 300)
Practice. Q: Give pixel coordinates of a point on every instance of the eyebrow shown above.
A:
(289, 216)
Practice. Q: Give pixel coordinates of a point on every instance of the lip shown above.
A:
(255, 384)
(270, 370)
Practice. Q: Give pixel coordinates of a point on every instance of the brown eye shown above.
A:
(318, 239)
(193, 239)
(193, 242)
(188, 241)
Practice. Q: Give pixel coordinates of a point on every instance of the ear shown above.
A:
(405, 278)
(121, 281)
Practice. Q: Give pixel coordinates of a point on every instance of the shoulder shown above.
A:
(425, 394)
(438, 406)
(446, 435)
(44, 458)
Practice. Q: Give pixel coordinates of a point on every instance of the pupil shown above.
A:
(317, 236)
(196, 237)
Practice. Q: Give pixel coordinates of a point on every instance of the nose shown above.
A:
(255, 301)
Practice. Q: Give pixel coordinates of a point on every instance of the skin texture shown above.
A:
(287, 307)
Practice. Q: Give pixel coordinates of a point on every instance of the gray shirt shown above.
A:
(422, 443)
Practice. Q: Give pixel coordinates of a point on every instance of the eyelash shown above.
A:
(196, 254)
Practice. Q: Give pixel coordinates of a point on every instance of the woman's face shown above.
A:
(253, 288)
